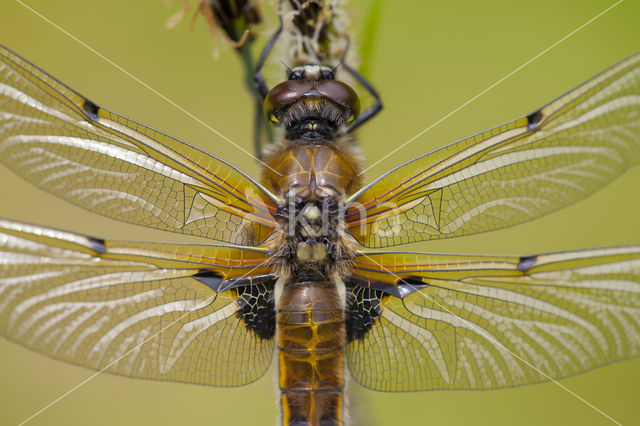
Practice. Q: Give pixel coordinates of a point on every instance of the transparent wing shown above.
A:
(513, 173)
(463, 318)
(132, 307)
(108, 164)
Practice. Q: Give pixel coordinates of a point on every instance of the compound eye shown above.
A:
(326, 75)
(341, 93)
(296, 75)
(282, 95)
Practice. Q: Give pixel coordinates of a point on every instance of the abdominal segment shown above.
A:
(311, 339)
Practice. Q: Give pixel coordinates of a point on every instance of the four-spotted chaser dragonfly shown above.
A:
(411, 321)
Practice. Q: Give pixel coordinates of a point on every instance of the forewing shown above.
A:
(482, 322)
(134, 309)
(513, 173)
(108, 164)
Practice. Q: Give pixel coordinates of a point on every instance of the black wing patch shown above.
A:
(365, 298)
(254, 296)
(257, 308)
(363, 308)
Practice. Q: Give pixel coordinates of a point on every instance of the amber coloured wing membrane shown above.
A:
(108, 164)
(145, 310)
(510, 174)
(482, 322)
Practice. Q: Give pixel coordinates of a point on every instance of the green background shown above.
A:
(427, 59)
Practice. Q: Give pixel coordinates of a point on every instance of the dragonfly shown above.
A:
(71, 147)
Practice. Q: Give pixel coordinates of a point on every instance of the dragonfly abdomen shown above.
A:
(311, 338)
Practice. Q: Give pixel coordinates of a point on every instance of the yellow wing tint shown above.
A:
(136, 305)
(108, 164)
(463, 318)
(510, 174)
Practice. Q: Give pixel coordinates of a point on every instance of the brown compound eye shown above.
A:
(283, 94)
(290, 91)
(340, 93)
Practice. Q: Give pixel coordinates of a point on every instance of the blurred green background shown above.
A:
(428, 58)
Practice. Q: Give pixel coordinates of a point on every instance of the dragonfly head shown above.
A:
(311, 104)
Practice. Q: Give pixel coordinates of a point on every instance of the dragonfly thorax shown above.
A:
(313, 179)
(304, 170)
(310, 236)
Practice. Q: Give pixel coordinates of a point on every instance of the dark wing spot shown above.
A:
(209, 278)
(257, 309)
(533, 120)
(97, 245)
(401, 289)
(526, 263)
(91, 109)
(234, 282)
(363, 307)
(407, 286)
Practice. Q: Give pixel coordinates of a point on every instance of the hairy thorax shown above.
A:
(313, 179)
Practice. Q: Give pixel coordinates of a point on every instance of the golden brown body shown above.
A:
(311, 338)
(312, 170)
(310, 310)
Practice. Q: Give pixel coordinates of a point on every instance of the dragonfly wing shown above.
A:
(483, 322)
(145, 310)
(510, 174)
(62, 142)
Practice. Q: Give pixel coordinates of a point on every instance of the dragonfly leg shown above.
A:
(373, 109)
(261, 86)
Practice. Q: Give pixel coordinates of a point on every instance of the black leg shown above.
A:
(261, 86)
(372, 110)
